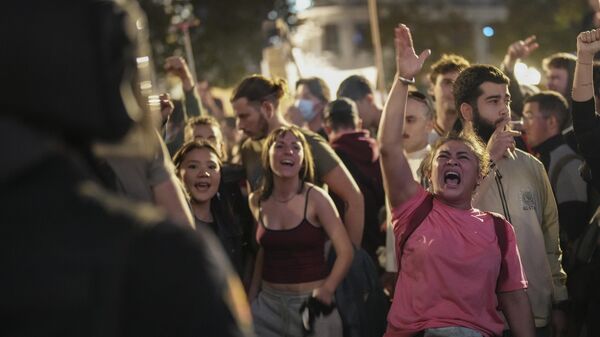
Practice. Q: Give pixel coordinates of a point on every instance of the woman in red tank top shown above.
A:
(294, 218)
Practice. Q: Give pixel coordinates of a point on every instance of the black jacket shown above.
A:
(76, 261)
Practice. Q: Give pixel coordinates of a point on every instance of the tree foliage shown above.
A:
(228, 41)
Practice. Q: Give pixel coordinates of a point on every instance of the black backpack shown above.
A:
(360, 300)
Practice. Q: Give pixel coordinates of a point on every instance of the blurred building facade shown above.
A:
(338, 31)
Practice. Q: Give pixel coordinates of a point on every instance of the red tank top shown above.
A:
(293, 255)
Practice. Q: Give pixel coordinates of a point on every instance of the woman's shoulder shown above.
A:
(315, 191)
(253, 199)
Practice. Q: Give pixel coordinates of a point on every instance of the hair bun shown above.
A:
(279, 87)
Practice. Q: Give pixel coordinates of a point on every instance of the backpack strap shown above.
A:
(500, 229)
(418, 216)
(562, 162)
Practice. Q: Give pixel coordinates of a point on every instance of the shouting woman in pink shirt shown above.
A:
(459, 267)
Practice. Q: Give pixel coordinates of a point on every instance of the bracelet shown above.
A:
(405, 80)
(586, 63)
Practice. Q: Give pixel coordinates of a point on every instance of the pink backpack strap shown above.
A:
(500, 229)
(417, 218)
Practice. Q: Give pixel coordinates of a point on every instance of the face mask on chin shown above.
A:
(307, 109)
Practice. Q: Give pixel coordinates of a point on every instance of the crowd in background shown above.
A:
(470, 209)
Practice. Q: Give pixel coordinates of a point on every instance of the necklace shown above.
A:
(284, 201)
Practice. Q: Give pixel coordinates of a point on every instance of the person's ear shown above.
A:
(319, 107)
(429, 125)
(359, 123)
(479, 180)
(466, 111)
(268, 109)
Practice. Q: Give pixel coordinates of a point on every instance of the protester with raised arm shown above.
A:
(585, 120)
(459, 264)
(515, 52)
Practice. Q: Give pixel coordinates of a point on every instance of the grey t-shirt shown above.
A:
(137, 175)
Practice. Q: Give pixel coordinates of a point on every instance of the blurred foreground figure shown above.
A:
(76, 260)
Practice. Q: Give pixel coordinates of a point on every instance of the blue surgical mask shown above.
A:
(307, 109)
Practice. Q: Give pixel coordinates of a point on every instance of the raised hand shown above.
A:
(519, 50)
(178, 67)
(502, 140)
(588, 42)
(408, 64)
(166, 106)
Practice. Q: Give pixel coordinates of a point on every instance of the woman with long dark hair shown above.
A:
(199, 166)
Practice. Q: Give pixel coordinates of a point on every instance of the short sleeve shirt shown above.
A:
(136, 176)
(450, 270)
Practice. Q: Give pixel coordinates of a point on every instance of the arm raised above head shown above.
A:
(397, 176)
(588, 44)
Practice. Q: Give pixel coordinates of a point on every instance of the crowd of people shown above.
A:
(471, 209)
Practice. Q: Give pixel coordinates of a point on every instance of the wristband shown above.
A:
(405, 80)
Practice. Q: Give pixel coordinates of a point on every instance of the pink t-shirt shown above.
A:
(449, 272)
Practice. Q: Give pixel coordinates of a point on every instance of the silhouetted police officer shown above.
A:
(74, 259)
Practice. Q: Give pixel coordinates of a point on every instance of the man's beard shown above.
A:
(263, 127)
(482, 128)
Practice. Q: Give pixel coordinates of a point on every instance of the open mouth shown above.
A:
(287, 162)
(452, 178)
(203, 185)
